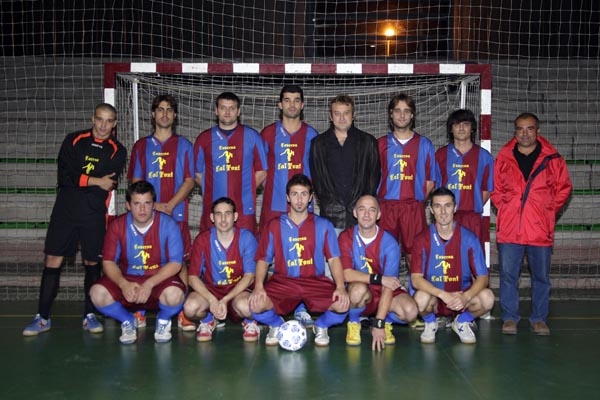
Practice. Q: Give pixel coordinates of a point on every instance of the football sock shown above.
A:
(301, 307)
(166, 312)
(465, 317)
(393, 318)
(92, 274)
(116, 311)
(354, 314)
(330, 318)
(429, 318)
(48, 290)
(209, 318)
(268, 317)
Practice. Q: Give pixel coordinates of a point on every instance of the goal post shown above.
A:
(438, 89)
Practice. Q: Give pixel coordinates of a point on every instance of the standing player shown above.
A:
(371, 259)
(143, 253)
(165, 159)
(221, 271)
(467, 170)
(288, 147)
(298, 243)
(408, 174)
(230, 161)
(89, 164)
(448, 271)
(531, 187)
(344, 164)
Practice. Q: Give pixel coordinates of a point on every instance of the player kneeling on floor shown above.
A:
(220, 273)
(448, 271)
(297, 244)
(142, 255)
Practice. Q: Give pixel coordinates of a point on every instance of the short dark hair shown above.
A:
(299, 179)
(528, 115)
(291, 89)
(458, 116)
(410, 102)
(140, 187)
(442, 191)
(225, 200)
(227, 96)
(167, 98)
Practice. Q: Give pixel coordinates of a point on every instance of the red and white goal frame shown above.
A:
(484, 71)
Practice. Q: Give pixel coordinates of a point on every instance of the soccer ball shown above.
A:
(292, 335)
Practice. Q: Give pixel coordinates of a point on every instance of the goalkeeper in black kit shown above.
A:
(89, 165)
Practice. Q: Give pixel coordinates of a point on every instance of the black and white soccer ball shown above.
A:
(292, 335)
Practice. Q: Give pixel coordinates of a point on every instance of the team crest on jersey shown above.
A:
(401, 164)
(445, 265)
(143, 256)
(227, 155)
(296, 250)
(228, 271)
(91, 164)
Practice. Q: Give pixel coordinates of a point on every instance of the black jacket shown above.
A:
(366, 173)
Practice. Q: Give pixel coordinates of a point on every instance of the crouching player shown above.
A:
(297, 244)
(220, 273)
(142, 255)
(448, 272)
(371, 260)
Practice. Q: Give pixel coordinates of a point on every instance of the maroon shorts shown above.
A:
(371, 307)
(404, 220)
(152, 303)
(221, 291)
(286, 293)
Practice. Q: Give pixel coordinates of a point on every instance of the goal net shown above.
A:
(438, 90)
(544, 57)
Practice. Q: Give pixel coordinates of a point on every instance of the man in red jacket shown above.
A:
(531, 186)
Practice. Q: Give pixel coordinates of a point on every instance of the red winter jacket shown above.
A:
(527, 210)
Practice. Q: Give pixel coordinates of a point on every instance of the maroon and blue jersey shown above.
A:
(381, 256)
(228, 164)
(166, 166)
(287, 155)
(298, 250)
(449, 265)
(466, 175)
(220, 266)
(405, 169)
(143, 254)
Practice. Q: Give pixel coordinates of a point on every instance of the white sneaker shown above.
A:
(128, 333)
(163, 331)
(304, 318)
(321, 336)
(271, 339)
(428, 335)
(464, 332)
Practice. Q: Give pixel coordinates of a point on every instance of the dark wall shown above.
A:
(262, 29)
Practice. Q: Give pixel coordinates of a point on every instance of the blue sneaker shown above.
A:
(91, 324)
(37, 326)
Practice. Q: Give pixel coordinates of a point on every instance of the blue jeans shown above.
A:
(510, 258)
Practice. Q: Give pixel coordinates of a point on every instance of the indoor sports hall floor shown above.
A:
(68, 363)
